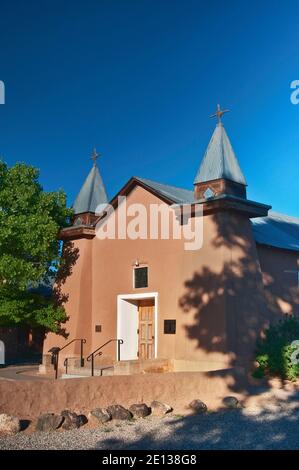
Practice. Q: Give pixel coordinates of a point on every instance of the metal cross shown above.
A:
(219, 113)
(95, 156)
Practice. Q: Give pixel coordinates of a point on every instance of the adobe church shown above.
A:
(174, 308)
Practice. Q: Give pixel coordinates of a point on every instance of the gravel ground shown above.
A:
(273, 427)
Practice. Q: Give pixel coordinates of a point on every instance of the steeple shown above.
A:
(91, 194)
(219, 172)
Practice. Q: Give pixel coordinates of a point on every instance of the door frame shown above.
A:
(141, 296)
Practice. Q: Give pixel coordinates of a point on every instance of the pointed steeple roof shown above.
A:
(220, 160)
(92, 193)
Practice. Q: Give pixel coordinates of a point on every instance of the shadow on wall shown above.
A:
(228, 309)
(70, 256)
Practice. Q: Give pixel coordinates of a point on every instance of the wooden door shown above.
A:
(146, 330)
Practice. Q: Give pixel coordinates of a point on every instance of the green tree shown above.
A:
(30, 252)
(275, 352)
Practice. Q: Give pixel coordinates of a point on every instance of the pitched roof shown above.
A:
(92, 193)
(220, 160)
(177, 195)
(277, 230)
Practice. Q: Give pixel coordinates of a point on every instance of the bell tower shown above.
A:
(91, 195)
(220, 172)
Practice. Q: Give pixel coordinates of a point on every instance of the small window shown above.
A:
(209, 193)
(169, 327)
(78, 221)
(98, 328)
(140, 277)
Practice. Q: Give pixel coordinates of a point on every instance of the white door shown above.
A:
(127, 326)
(2, 353)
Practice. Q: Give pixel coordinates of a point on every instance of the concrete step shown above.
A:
(86, 371)
(72, 376)
(142, 366)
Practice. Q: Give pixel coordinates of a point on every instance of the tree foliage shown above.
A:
(30, 252)
(275, 352)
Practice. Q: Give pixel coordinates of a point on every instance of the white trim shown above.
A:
(140, 296)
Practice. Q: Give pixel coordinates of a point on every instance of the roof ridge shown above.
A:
(162, 184)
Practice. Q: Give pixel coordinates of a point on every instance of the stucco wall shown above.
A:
(28, 399)
(215, 294)
(280, 276)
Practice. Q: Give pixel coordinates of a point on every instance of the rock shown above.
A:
(230, 402)
(93, 421)
(160, 409)
(49, 422)
(101, 414)
(140, 410)
(9, 425)
(71, 420)
(198, 406)
(119, 412)
(83, 419)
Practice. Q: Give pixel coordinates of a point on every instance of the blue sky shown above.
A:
(138, 79)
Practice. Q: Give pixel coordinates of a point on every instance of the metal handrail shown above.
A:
(56, 350)
(83, 341)
(98, 352)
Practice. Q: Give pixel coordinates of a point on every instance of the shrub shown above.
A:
(275, 352)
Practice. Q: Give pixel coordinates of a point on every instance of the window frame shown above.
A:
(134, 279)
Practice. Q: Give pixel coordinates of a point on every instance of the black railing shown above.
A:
(56, 350)
(98, 352)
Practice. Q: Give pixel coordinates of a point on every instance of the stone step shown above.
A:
(86, 372)
(142, 366)
(73, 376)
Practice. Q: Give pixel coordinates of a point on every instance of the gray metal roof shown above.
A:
(92, 193)
(278, 230)
(177, 195)
(220, 160)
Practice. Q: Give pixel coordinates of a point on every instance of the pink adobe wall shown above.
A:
(215, 294)
(281, 287)
(78, 307)
(33, 398)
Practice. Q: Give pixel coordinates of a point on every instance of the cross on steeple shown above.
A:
(219, 113)
(95, 156)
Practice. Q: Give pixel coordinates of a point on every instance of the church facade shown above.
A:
(201, 309)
